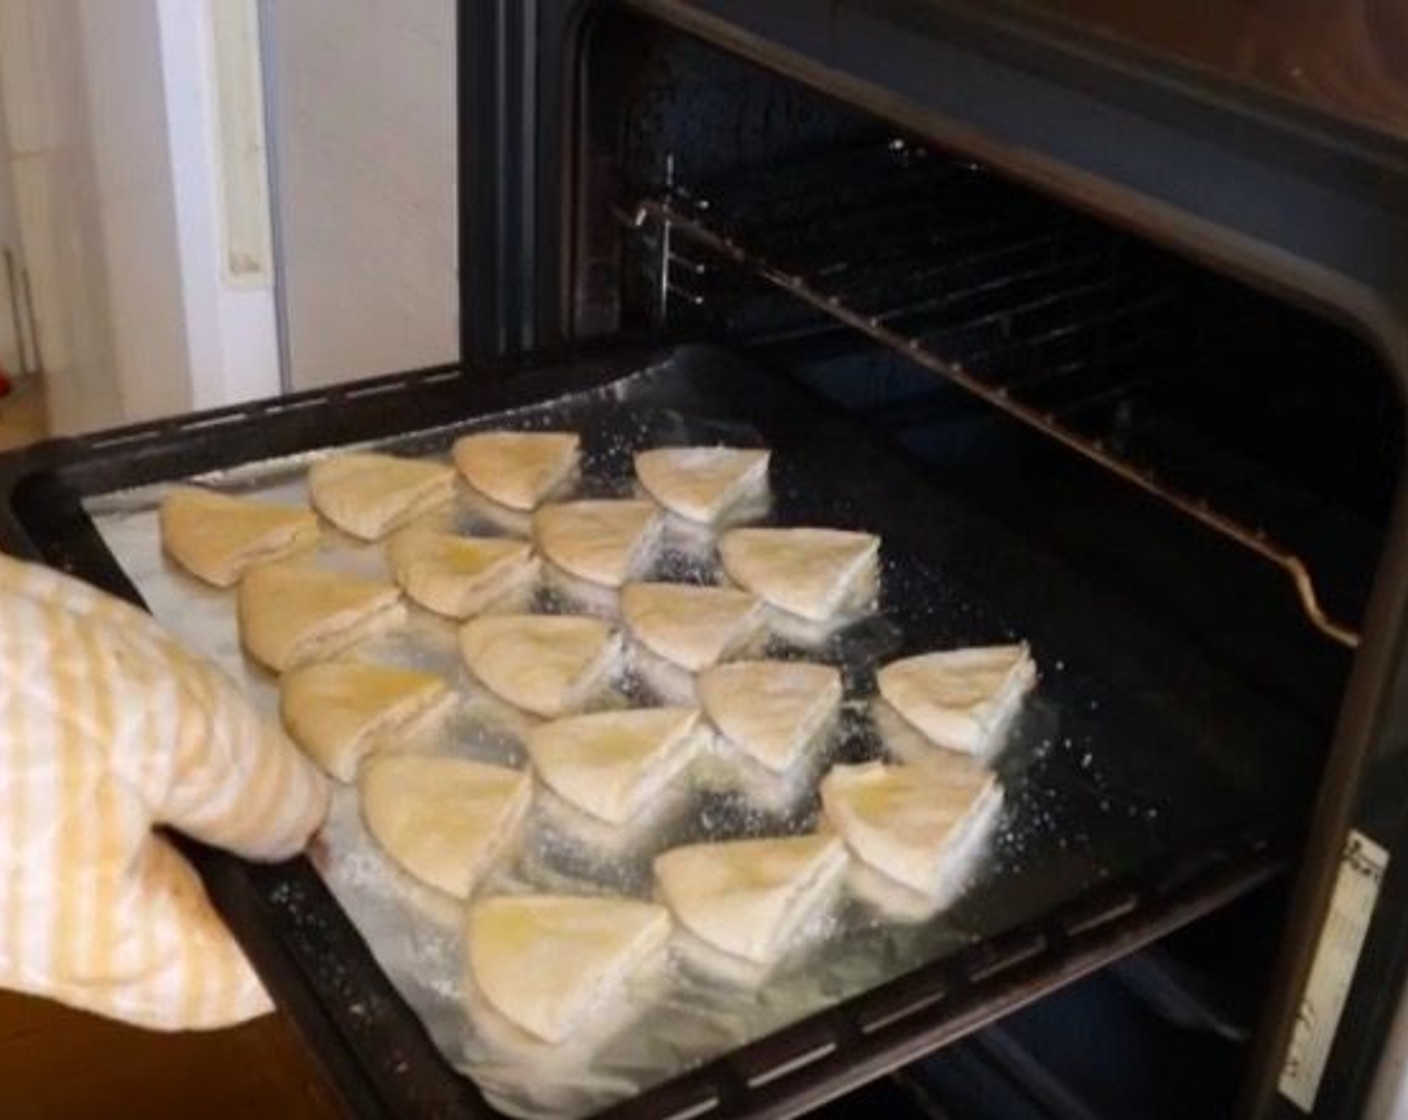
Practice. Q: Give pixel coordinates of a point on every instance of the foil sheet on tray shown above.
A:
(1075, 810)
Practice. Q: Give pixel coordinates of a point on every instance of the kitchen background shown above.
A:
(212, 200)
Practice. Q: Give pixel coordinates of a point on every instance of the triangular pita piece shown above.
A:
(961, 699)
(749, 898)
(516, 469)
(368, 495)
(691, 626)
(442, 819)
(601, 541)
(613, 765)
(290, 615)
(546, 664)
(771, 710)
(216, 537)
(701, 483)
(339, 711)
(459, 576)
(814, 573)
(911, 822)
(547, 963)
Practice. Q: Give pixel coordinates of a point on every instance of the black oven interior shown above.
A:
(1252, 403)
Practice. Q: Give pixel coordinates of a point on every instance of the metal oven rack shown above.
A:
(1028, 314)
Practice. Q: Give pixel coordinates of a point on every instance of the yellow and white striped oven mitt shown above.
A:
(108, 726)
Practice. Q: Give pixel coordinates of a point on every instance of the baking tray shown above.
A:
(1160, 788)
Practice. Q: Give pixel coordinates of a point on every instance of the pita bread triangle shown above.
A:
(814, 573)
(770, 709)
(216, 536)
(700, 483)
(289, 615)
(516, 469)
(613, 764)
(961, 698)
(337, 710)
(904, 820)
(440, 818)
(546, 962)
(600, 541)
(689, 625)
(542, 663)
(458, 576)
(368, 494)
(747, 898)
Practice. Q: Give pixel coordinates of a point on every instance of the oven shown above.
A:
(1111, 334)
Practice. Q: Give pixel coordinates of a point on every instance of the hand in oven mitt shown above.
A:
(107, 727)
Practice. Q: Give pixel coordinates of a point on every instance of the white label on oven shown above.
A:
(1336, 957)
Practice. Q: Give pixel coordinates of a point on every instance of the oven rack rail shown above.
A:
(672, 219)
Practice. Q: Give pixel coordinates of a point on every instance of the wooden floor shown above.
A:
(22, 419)
(59, 1064)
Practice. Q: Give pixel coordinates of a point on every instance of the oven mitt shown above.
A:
(108, 727)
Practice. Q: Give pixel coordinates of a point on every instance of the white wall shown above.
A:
(114, 111)
(363, 104)
(120, 45)
(54, 178)
(112, 125)
(9, 239)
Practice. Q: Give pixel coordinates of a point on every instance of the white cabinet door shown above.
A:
(362, 107)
